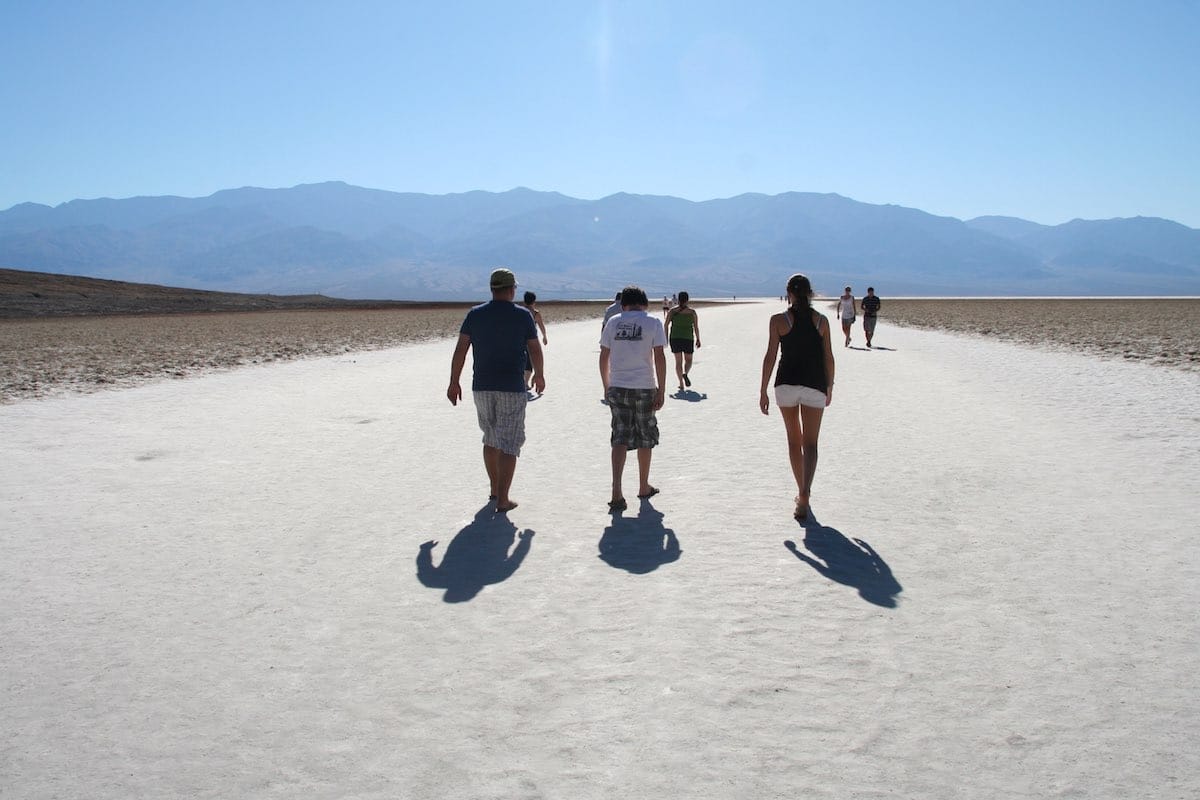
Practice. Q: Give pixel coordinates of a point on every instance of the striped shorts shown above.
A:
(502, 419)
(634, 425)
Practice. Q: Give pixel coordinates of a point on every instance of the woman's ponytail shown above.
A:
(800, 288)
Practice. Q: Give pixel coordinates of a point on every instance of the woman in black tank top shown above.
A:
(803, 382)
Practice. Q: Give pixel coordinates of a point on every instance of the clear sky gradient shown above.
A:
(1045, 110)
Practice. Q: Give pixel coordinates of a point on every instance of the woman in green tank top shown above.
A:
(683, 330)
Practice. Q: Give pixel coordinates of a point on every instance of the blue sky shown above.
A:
(1042, 110)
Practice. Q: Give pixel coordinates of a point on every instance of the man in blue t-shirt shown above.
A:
(500, 333)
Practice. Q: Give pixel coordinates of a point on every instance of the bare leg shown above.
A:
(491, 462)
(810, 423)
(618, 469)
(687, 363)
(506, 467)
(501, 467)
(644, 455)
(846, 330)
(679, 370)
(803, 426)
(795, 442)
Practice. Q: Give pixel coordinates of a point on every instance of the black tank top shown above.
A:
(802, 353)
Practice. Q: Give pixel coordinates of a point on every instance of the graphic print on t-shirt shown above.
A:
(628, 331)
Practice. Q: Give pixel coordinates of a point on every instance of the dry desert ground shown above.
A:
(1160, 331)
(43, 357)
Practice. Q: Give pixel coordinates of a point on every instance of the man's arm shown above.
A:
(696, 325)
(538, 360)
(457, 362)
(660, 369)
(605, 355)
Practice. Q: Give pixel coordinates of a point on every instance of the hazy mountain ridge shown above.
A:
(347, 241)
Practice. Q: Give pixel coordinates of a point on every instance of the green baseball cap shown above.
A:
(503, 278)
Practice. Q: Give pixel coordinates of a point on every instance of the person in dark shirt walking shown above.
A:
(803, 382)
(500, 333)
(870, 309)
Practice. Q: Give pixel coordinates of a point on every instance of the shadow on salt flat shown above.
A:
(639, 544)
(852, 562)
(477, 556)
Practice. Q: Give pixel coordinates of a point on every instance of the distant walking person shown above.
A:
(666, 306)
(803, 383)
(611, 311)
(846, 313)
(633, 369)
(530, 303)
(870, 309)
(683, 331)
(500, 333)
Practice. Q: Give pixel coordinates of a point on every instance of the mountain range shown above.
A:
(347, 241)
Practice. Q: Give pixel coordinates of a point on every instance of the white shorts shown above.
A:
(788, 396)
(502, 419)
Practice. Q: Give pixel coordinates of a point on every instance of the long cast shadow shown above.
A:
(639, 544)
(851, 562)
(477, 556)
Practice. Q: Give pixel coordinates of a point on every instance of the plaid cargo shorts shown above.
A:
(502, 419)
(634, 425)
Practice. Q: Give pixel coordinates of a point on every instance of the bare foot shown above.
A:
(801, 512)
(505, 506)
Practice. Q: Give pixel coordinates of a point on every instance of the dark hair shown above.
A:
(870, 288)
(800, 287)
(683, 297)
(633, 296)
(530, 297)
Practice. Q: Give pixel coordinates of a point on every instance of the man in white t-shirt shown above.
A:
(633, 369)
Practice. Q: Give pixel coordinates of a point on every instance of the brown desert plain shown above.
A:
(61, 335)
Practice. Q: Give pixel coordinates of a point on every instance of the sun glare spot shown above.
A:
(603, 47)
